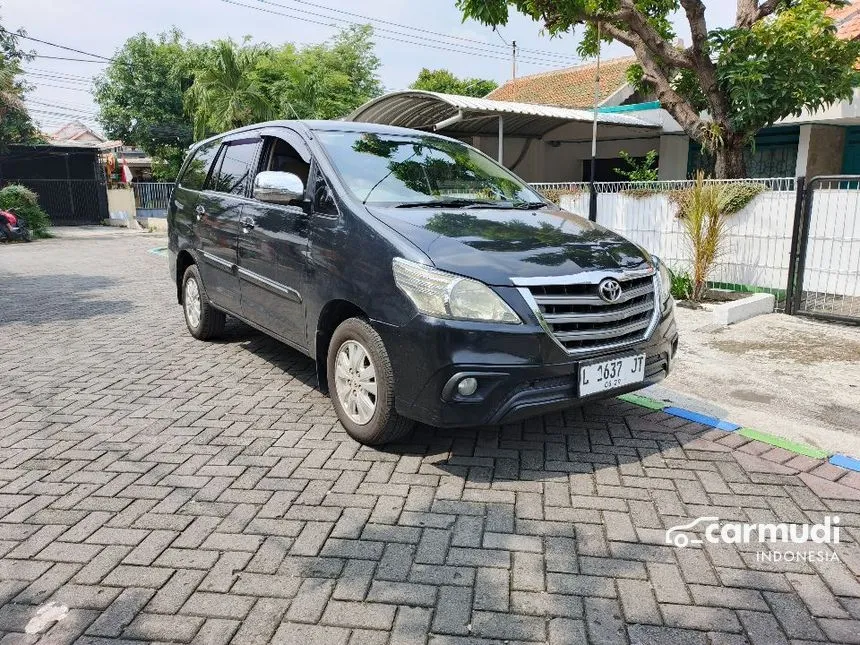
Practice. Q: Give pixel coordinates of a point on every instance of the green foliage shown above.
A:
(24, 203)
(781, 66)
(146, 99)
(16, 126)
(780, 59)
(140, 98)
(704, 209)
(325, 81)
(645, 170)
(442, 80)
(682, 285)
(226, 94)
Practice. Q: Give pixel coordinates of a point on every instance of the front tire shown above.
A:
(361, 383)
(202, 319)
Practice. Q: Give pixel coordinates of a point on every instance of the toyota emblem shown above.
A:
(610, 290)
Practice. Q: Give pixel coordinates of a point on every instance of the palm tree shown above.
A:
(225, 93)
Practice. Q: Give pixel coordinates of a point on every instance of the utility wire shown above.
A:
(411, 28)
(66, 58)
(47, 42)
(461, 49)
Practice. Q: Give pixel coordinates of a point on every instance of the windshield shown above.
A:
(415, 170)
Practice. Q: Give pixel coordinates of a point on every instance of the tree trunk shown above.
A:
(730, 160)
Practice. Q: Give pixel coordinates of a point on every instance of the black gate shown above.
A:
(824, 274)
(69, 202)
(69, 181)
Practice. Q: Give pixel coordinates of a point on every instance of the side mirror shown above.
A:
(278, 187)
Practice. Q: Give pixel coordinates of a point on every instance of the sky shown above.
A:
(410, 34)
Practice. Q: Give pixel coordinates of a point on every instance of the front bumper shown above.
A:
(520, 369)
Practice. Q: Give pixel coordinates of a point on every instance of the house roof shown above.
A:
(572, 87)
(468, 115)
(847, 21)
(77, 131)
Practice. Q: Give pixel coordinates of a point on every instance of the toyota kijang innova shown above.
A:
(427, 282)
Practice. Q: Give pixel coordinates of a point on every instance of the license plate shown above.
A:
(601, 376)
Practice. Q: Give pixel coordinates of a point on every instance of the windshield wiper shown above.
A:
(528, 205)
(445, 203)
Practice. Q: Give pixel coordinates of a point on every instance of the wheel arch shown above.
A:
(183, 260)
(332, 314)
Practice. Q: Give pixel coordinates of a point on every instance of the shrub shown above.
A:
(25, 204)
(682, 285)
(704, 209)
(555, 194)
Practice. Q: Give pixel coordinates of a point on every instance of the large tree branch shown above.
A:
(638, 24)
(659, 77)
(705, 67)
(749, 11)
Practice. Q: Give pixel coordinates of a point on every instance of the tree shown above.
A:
(226, 94)
(779, 57)
(16, 126)
(441, 80)
(325, 81)
(140, 98)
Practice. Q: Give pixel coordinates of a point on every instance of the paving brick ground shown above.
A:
(164, 489)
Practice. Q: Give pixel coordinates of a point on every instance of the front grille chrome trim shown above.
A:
(592, 300)
(547, 321)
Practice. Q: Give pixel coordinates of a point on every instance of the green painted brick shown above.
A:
(643, 401)
(779, 442)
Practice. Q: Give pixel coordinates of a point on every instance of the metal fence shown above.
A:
(827, 247)
(69, 202)
(798, 240)
(770, 183)
(152, 198)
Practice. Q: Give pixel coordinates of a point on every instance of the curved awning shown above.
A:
(468, 115)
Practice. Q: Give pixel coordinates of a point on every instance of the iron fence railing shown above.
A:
(152, 198)
(770, 183)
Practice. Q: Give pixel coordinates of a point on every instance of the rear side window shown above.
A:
(234, 168)
(198, 168)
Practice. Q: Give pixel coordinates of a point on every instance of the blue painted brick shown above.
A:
(719, 424)
(845, 462)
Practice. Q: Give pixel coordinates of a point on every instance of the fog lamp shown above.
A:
(468, 386)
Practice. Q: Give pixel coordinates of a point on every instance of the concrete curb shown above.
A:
(757, 304)
(841, 461)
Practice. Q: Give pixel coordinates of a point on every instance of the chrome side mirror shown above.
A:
(278, 187)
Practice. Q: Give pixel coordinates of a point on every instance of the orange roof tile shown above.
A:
(572, 87)
(847, 20)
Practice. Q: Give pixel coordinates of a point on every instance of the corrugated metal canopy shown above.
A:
(422, 110)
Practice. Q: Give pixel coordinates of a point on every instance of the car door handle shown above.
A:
(247, 222)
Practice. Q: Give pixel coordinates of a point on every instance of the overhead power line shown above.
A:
(58, 46)
(66, 58)
(450, 47)
(412, 28)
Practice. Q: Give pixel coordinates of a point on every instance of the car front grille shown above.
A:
(580, 320)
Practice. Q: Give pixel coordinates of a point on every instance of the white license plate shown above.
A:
(611, 374)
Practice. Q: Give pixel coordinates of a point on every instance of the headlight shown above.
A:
(664, 279)
(445, 295)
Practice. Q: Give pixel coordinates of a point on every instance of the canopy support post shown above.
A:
(501, 158)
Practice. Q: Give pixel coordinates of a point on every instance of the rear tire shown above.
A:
(361, 383)
(202, 319)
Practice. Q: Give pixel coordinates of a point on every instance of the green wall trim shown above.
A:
(643, 401)
(785, 444)
(633, 107)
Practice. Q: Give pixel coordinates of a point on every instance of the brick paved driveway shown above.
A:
(165, 489)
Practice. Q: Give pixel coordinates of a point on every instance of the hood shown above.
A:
(496, 245)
